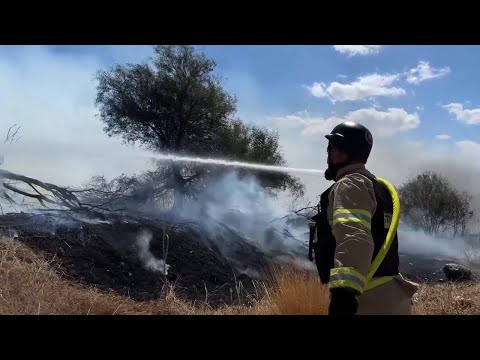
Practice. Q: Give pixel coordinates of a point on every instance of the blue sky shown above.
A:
(407, 95)
(279, 72)
(279, 76)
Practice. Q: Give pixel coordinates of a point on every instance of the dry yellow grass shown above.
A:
(29, 285)
(448, 299)
(297, 291)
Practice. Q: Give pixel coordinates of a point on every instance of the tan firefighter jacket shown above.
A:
(351, 207)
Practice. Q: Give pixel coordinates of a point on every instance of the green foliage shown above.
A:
(429, 202)
(254, 144)
(173, 106)
(176, 104)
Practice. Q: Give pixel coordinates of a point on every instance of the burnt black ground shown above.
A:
(430, 269)
(105, 255)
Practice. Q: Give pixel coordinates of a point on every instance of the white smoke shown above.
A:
(143, 239)
(232, 206)
(419, 243)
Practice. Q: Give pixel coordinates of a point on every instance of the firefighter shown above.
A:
(350, 228)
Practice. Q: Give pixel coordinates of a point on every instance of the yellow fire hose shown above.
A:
(391, 231)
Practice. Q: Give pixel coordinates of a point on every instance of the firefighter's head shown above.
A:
(348, 143)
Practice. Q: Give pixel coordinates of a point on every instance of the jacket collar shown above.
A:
(353, 168)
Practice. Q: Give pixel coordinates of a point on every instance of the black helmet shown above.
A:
(353, 138)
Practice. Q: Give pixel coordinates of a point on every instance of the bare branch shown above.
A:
(118, 192)
(10, 200)
(296, 212)
(39, 197)
(288, 234)
(61, 196)
(100, 207)
(12, 134)
(305, 208)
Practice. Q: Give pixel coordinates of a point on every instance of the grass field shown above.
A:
(30, 285)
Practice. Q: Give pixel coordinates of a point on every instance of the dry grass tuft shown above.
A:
(298, 292)
(292, 291)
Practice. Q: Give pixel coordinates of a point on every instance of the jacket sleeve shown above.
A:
(353, 204)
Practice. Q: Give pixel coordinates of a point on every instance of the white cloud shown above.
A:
(376, 85)
(299, 119)
(467, 116)
(318, 89)
(367, 86)
(443, 137)
(358, 50)
(420, 108)
(383, 124)
(424, 72)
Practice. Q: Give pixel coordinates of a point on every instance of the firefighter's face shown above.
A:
(336, 156)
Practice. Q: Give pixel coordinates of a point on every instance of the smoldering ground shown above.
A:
(232, 210)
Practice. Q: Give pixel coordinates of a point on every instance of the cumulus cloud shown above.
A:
(443, 137)
(364, 87)
(423, 72)
(376, 85)
(383, 124)
(358, 50)
(319, 89)
(467, 116)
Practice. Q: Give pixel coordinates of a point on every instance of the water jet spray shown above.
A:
(272, 168)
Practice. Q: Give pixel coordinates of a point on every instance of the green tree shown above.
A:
(176, 104)
(255, 144)
(172, 105)
(429, 202)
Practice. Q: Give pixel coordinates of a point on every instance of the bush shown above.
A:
(430, 203)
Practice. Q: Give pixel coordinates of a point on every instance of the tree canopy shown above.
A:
(175, 103)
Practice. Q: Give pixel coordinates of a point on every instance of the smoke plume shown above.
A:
(419, 243)
(150, 262)
(235, 210)
(235, 205)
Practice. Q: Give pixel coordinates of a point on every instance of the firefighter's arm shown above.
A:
(354, 203)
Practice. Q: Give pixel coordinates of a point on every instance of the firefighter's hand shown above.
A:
(342, 303)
